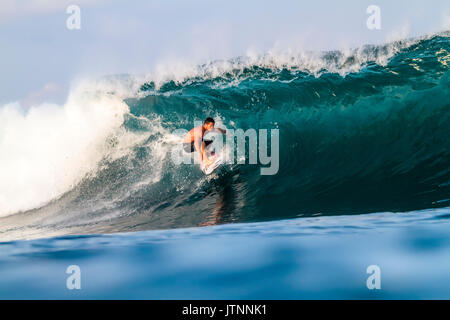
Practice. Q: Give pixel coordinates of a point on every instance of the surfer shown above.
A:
(194, 139)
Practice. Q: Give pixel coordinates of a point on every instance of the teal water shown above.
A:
(363, 179)
(303, 258)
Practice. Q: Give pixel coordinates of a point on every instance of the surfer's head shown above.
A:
(209, 123)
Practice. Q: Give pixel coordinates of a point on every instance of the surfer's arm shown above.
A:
(222, 131)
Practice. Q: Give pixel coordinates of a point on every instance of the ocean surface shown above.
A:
(363, 179)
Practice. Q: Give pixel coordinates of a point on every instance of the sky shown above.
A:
(40, 57)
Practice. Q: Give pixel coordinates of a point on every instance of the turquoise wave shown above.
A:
(352, 140)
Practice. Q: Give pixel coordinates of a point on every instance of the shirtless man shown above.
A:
(194, 139)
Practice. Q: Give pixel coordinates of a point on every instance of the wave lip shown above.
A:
(233, 71)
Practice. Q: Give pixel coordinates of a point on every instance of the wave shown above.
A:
(363, 130)
(47, 149)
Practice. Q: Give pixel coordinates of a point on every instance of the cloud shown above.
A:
(51, 91)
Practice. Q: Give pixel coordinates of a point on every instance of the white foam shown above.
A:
(342, 61)
(48, 149)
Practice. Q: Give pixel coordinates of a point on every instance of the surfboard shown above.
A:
(216, 155)
(209, 169)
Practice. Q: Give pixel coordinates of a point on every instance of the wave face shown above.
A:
(360, 131)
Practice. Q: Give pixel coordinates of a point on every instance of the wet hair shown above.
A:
(209, 120)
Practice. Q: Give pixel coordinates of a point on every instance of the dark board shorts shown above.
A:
(189, 147)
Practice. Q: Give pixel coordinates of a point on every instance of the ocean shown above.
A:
(363, 180)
